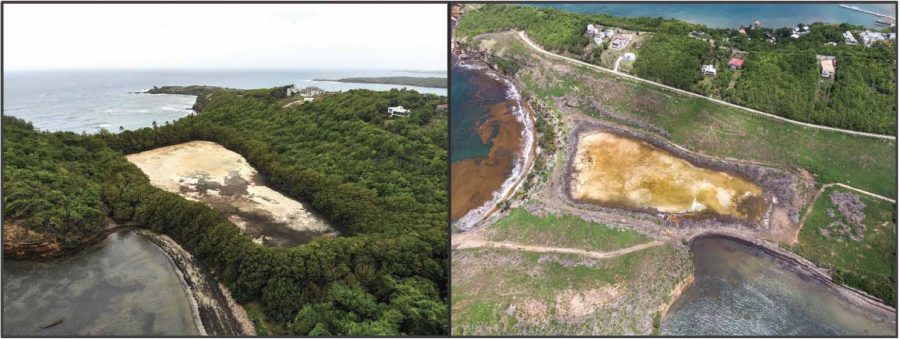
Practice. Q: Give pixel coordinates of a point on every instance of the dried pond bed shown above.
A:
(781, 190)
(207, 172)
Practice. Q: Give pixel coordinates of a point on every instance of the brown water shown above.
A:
(619, 171)
(740, 290)
(486, 140)
(123, 286)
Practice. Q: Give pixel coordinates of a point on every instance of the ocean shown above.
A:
(473, 93)
(88, 100)
(489, 129)
(740, 290)
(731, 15)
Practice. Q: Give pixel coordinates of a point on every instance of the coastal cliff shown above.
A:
(22, 243)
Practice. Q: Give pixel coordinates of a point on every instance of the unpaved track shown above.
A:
(543, 51)
(473, 240)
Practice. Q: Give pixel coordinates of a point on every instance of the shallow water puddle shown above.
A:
(620, 171)
(207, 172)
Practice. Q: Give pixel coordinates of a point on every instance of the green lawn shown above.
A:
(561, 231)
(869, 264)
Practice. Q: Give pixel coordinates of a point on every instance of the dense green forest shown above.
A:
(780, 78)
(381, 181)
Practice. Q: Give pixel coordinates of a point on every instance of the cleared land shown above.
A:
(207, 172)
(506, 290)
(611, 169)
(855, 235)
(564, 230)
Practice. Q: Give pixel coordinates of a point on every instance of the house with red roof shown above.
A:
(736, 64)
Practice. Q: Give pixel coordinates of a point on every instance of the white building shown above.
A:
(398, 111)
(620, 42)
(629, 57)
(708, 70)
(870, 38)
(592, 30)
(849, 39)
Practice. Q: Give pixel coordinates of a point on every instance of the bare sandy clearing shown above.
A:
(615, 170)
(207, 172)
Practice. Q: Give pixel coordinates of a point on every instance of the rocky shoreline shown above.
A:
(44, 247)
(216, 313)
(527, 153)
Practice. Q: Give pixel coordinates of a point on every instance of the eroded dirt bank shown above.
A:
(207, 172)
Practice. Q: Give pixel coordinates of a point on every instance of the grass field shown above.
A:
(500, 291)
(706, 127)
(869, 264)
(561, 231)
(516, 293)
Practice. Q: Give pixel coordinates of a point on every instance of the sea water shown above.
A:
(740, 290)
(91, 100)
(733, 15)
(123, 286)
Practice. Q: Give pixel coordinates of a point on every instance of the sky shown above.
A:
(225, 36)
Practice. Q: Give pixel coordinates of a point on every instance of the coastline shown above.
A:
(674, 295)
(525, 155)
(806, 269)
(215, 312)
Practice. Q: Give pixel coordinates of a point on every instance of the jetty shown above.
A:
(855, 8)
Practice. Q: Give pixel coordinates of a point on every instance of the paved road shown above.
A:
(539, 49)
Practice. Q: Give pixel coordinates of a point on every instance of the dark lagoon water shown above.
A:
(124, 286)
(724, 15)
(473, 94)
(90, 100)
(739, 290)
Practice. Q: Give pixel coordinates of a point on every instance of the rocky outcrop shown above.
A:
(196, 90)
(22, 243)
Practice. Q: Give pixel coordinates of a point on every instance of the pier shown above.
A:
(854, 8)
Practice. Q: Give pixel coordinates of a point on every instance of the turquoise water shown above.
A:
(88, 100)
(472, 95)
(724, 15)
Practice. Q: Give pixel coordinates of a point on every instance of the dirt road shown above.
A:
(474, 240)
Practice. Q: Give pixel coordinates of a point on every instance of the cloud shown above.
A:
(232, 36)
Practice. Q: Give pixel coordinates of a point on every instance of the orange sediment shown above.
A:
(474, 181)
